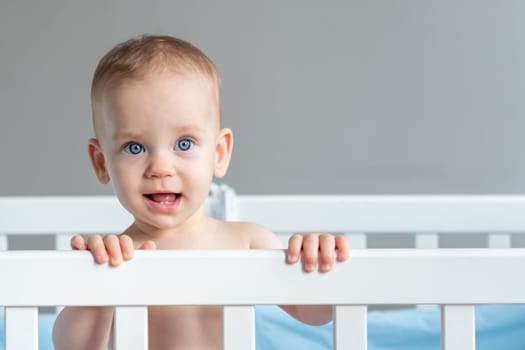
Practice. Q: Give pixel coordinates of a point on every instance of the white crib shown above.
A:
(455, 279)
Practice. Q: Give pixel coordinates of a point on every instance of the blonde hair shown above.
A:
(138, 57)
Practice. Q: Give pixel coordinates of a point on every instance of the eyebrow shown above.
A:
(126, 135)
(189, 127)
(133, 135)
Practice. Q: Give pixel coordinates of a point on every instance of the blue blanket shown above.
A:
(499, 327)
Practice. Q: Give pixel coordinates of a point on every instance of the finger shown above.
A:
(148, 245)
(310, 251)
(342, 248)
(126, 247)
(112, 245)
(78, 243)
(326, 252)
(97, 248)
(295, 244)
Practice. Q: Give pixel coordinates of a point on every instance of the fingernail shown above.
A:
(102, 258)
(309, 267)
(292, 258)
(326, 267)
(116, 262)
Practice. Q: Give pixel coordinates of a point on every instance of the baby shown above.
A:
(156, 116)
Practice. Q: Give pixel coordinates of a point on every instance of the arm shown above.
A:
(317, 252)
(82, 328)
(89, 328)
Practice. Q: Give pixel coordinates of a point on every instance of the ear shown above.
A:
(98, 161)
(223, 152)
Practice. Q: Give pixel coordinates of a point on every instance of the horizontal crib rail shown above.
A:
(382, 213)
(62, 215)
(241, 277)
(348, 213)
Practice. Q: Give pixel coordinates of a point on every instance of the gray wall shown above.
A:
(405, 96)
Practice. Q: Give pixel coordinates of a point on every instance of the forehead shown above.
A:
(162, 98)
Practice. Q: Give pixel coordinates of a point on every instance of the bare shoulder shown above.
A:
(255, 236)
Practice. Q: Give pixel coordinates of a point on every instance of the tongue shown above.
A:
(163, 197)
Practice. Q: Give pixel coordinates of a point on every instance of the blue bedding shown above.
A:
(499, 327)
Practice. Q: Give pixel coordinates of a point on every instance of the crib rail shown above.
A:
(455, 279)
(447, 277)
(370, 214)
(400, 276)
(62, 215)
(392, 213)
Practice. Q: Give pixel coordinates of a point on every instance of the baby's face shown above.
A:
(159, 139)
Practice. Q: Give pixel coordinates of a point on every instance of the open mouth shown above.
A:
(163, 198)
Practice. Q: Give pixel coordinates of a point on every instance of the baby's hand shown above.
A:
(317, 249)
(110, 248)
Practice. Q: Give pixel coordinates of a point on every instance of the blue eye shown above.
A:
(184, 145)
(134, 148)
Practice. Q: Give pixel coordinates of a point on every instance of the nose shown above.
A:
(161, 165)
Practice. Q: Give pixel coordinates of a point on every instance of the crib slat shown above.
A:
(3, 242)
(357, 240)
(21, 328)
(499, 240)
(62, 241)
(427, 241)
(238, 328)
(130, 330)
(458, 327)
(350, 327)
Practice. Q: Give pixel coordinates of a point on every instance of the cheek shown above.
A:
(198, 176)
(123, 177)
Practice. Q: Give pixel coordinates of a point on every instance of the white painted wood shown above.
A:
(130, 328)
(350, 327)
(413, 276)
(63, 241)
(239, 327)
(62, 215)
(21, 328)
(3, 242)
(398, 213)
(458, 327)
(356, 240)
(427, 241)
(499, 240)
(369, 214)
